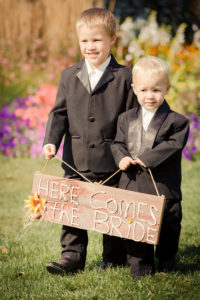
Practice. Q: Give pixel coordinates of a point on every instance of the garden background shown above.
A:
(37, 41)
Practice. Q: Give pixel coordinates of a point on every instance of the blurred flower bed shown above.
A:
(22, 123)
(192, 149)
(26, 99)
(23, 71)
(22, 120)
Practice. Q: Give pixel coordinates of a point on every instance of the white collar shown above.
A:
(147, 116)
(149, 112)
(100, 68)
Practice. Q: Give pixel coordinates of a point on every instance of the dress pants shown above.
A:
(141, 255)
(170, 230)
(74, 241)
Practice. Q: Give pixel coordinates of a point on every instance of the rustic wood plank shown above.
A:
(99, 208)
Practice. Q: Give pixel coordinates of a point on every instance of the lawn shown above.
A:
(24, 252)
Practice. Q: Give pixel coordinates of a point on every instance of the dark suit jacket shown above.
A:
(162, 148)
(88, 118)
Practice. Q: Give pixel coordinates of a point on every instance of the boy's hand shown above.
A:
(137, 161)
(49, 151)
(125, 162)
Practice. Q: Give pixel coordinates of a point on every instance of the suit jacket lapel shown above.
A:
(108, 74)
(135, 133)
(82, 74)
(155, 125)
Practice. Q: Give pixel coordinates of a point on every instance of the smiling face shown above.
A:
(150, 89)
(95, 44)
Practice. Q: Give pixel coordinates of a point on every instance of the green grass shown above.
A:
(22, 269)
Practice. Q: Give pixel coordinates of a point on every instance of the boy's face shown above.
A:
(150, 89)
(95, 44)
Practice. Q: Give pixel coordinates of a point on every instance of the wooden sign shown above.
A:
(100, 208)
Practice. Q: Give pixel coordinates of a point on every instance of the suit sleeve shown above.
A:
(118, 147)
(166, 149)
(57, 124)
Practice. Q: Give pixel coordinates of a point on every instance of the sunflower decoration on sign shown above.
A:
(35, 205)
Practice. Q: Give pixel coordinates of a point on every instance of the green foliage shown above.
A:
(25, 252)
(10, 92)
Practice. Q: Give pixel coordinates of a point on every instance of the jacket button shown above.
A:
(91, 145)
(91, 119)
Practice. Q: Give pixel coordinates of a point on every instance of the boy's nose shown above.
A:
(150, 95)
(91, 46)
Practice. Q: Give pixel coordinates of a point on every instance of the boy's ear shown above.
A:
(113, 39)
(133, 87)
(168, 88)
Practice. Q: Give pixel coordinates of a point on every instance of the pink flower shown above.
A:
(23, 123)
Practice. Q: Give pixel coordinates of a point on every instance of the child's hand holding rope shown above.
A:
(49, 151)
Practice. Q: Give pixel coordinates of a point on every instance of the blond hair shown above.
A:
(152, 65)
(98, 17)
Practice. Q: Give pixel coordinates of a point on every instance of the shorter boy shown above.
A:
(152, 136)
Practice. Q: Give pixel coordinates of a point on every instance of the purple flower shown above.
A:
(192, 117)
(12, 128)
(16, 136)
(193, 143)
(186, 154)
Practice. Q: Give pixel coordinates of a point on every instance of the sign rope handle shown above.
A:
(81, 175)
(111, 176)
(101, 182)
(45, 165)
(154, 183)
(73, 169)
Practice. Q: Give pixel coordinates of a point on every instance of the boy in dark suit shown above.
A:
(91, 95)
(152, 136)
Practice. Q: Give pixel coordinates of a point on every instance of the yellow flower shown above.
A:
(35, 203)
(129, 219)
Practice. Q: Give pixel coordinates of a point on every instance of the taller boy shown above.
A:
(91, 95)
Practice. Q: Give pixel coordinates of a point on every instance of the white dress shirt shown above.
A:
(95, 74)
(147, 116)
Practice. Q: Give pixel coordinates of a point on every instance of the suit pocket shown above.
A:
(108, 140)
(75, 137)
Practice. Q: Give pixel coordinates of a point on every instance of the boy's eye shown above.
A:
(156, 90)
